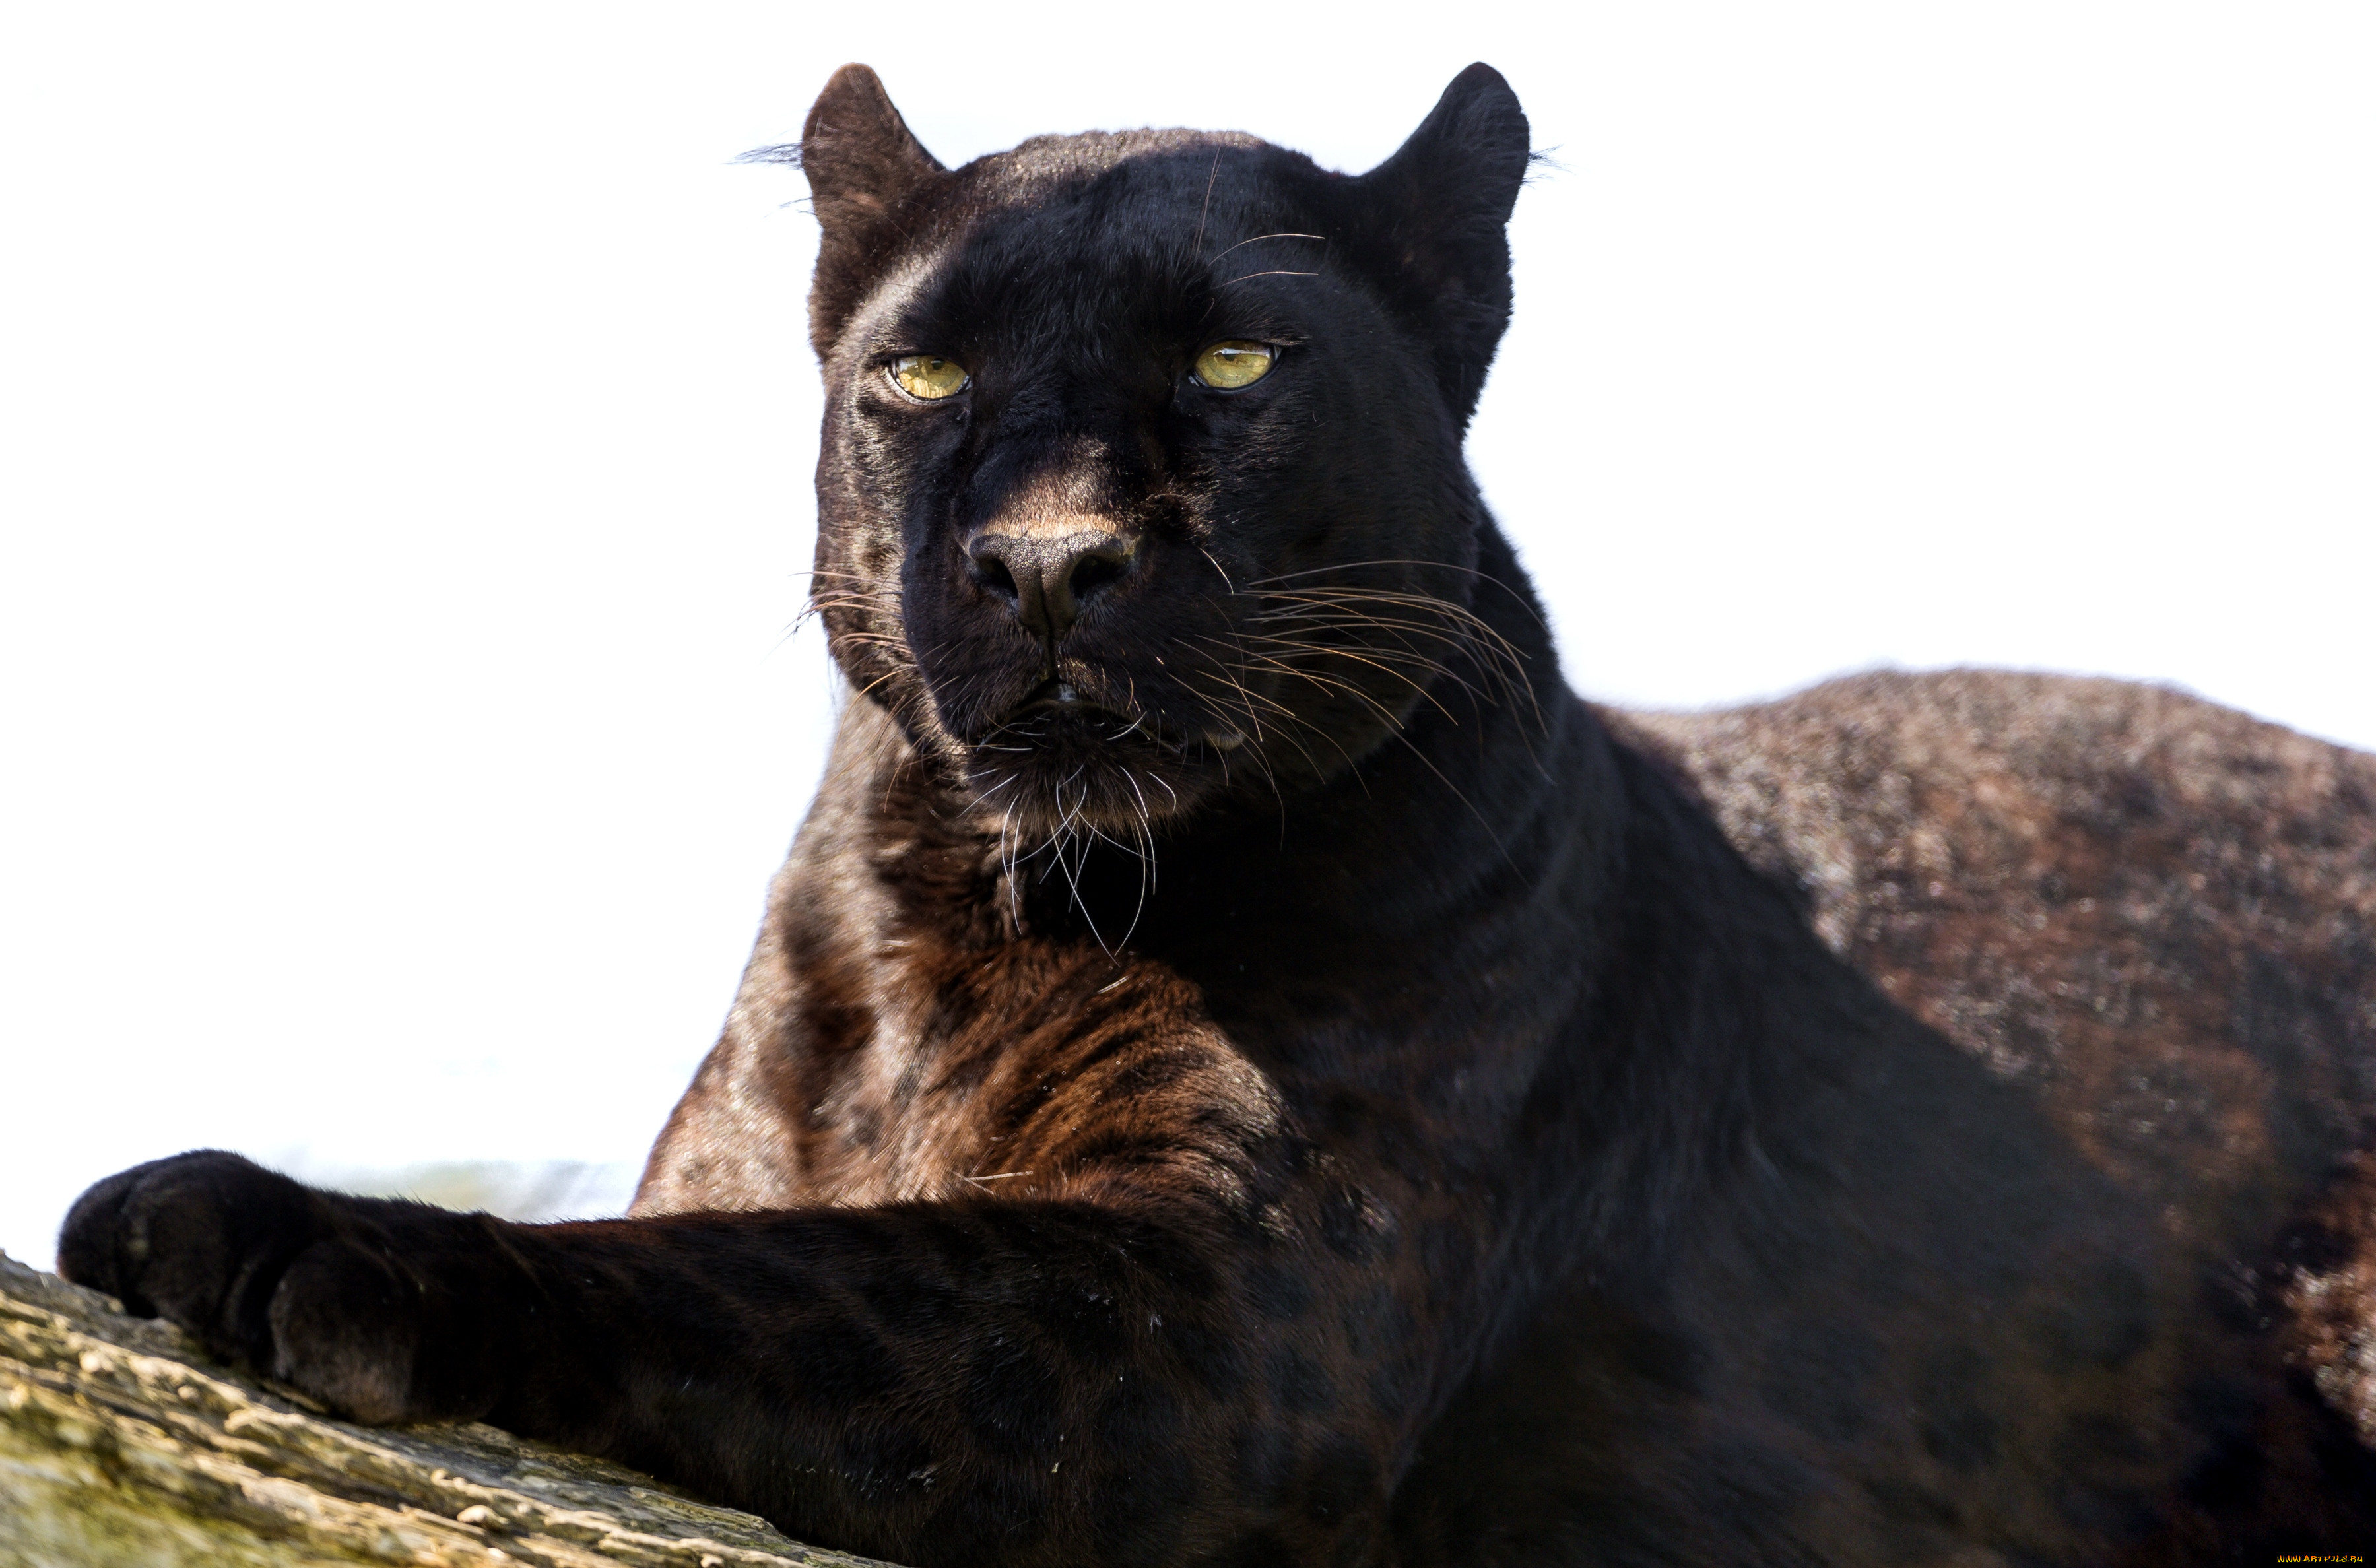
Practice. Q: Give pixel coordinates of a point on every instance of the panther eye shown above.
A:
(1230, 365)
(929, 376)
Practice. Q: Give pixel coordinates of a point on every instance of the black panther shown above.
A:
(1243, 1066)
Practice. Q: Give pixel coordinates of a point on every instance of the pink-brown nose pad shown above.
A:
(1045, 577)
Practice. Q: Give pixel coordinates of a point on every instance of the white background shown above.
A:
(405, 427)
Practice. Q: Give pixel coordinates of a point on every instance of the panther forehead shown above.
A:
(1127, 221)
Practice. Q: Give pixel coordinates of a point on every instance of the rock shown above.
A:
(122, 1443)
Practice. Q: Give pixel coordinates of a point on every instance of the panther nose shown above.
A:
(1045, 574)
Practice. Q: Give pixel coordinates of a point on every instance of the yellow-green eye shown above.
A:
(929, 376)
(1235, 363)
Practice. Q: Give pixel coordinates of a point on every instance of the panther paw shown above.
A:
(264, 1271)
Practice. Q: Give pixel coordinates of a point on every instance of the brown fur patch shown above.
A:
(2158, 913)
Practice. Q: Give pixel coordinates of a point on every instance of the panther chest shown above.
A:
(1008, 1073)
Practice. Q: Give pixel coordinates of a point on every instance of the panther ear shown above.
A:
(1433, 216)
(862, 164)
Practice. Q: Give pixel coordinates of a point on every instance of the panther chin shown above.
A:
(1061, 763)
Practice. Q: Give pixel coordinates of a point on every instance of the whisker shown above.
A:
(1283, 234)
(1394, 730)
(1218, 567)
(1380, 659)
(1197, 244)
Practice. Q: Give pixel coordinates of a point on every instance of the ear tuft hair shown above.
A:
(1434, 216)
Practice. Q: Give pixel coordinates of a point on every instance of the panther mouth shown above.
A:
(1060, 760)
(1058, 695)
(1057, 711)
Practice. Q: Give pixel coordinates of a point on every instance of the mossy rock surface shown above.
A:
(122, 1443)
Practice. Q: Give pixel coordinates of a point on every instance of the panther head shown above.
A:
(1141, 487)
